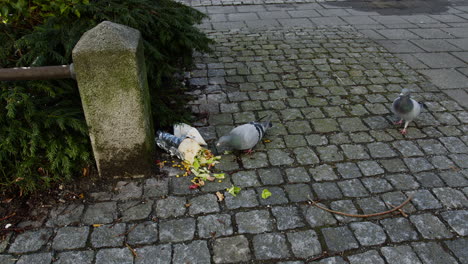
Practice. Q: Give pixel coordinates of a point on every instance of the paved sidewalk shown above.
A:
(327, 72)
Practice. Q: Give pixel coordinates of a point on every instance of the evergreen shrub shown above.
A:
(43, 135)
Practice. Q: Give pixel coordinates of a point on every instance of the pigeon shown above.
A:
(246, 136)
(406, 109)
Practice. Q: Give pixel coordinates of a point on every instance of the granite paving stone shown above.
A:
(207, 203)
(108, 235)
(253, 222)
(171, 206)
(37, 258)
(451, 198)
(368, 257)
(72, 257)
(368, 234)
(177, 230)
(153, 254)
(246, 198)
(63, 215)
(400, 254)
(287, 217)
(399, 229)
(270, 246)
(432, 252)
(143, 233)
(194, 252)
(304, 244)
(215, 225)
(458, 247)
(457, 221)
(30, 241)
(100, 213)
(70, 237)
(135, 210)
(114, 255)
(298, 192)
(339, 239)
(231, 249)
(345, 206)
(430, 226)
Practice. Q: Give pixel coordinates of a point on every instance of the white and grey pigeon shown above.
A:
(406, 109)
(246, 136)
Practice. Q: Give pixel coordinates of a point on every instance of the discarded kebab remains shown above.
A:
(186, 144)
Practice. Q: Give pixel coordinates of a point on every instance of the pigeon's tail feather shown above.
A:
(267, 123)
(423, 105)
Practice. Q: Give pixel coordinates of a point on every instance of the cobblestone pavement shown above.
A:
(329, 88)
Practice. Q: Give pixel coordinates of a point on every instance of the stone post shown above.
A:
(111, 74)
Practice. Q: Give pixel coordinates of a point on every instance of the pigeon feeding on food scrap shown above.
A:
(246, 136)
(406, 109)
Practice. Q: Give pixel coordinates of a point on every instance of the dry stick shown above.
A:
(363, 215)
(8, 216)
(132, 250)
(399, 210)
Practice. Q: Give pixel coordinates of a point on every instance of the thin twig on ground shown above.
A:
(362, 215)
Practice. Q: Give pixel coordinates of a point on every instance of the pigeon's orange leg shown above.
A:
(404, 131)
(248, 151)
(398, 123)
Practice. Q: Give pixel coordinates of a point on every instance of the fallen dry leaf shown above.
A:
(220, 196)
(188, 204)
(97, 225)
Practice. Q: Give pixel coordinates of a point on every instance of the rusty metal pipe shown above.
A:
(37, 73)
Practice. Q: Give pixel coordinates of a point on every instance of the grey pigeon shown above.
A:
(246, 136)
(406, 109)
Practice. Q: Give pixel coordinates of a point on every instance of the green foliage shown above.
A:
(42, 127)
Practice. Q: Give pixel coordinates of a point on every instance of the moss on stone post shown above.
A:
(111, 75)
